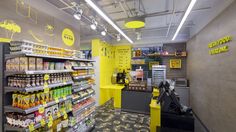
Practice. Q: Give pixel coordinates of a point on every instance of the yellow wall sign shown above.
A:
(221, 49)
(175, 63)
(220, 41)
(153, 63)
(68, 37)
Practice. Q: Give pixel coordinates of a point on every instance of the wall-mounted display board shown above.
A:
(175, 63)
(123, 57)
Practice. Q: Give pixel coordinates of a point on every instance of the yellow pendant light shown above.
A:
(135, 22)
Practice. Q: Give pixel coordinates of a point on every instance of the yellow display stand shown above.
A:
(110, 58)
(111, 91)
(155, 92)
(155, 115)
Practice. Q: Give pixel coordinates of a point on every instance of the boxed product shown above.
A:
(23, 63)
(45, 65)
(52, 66)
(38, 116)
(55, 109)
(48, 112)
(32, 63)
(16, 64)
(39, 63)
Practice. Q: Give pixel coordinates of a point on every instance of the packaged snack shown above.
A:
(8, 65)
(17, 64)
(37, 99)
(26, 101)
(47, 97)
(32, 100)
(45, 65)
(42, 96)
(51, 95)
(32, 64)
(23, 63)
(48, 112)
(14, 100)
(39, 63)
(51, 66)
(19, 99)
(38, 116)
(55, 110)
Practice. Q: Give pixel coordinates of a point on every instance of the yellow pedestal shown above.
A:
(111, 91)
(155, 115)
(155, 92)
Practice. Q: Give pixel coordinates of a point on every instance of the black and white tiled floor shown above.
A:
(109, 119)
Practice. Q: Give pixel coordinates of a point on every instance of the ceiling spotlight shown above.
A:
(104, 32)
(139, 35)
(118, 38)
(94, 24)
(78, 13)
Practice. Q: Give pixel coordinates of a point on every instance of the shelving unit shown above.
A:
(36, 108)
(38, 88)
(75, 89)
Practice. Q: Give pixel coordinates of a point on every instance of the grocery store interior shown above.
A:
(117, 65)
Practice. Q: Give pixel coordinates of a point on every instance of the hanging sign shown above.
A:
(68, 37)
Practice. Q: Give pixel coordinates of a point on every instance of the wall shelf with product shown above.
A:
(47, 88)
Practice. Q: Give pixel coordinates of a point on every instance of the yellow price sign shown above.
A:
(41, 109)
(64, 97)
(45, 104)
(42, 122)
(46, 77)
(65, 116)
(31, 127)
(46, 90)
(58, 114)
(50, 118)
(50, 123)
(56, 100)
(64, 82)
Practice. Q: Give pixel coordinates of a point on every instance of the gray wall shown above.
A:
(36, 23)
(213, 77)
(175, 73)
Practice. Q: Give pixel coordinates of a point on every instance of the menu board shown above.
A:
(123, 57)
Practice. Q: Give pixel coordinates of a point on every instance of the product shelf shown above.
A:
(71, 129)
(10, 56)
(77, 89)
(77, 112)
(9, 73)
(33, 89)
(77, 100)
(82, 67)
(36, 126)
(36, 108)
(83, 77)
